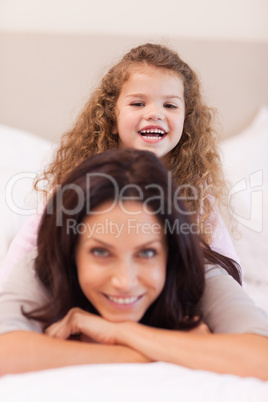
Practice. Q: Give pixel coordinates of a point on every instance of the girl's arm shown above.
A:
(23, 243)
(23, 351)
(221, 240)
(239, 354)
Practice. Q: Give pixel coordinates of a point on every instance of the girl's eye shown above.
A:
(147, 253)
(170, 106)
(99, 252)
(137, 104)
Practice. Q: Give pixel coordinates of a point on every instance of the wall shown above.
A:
(45, 79)
(54, 51)
(218, 19)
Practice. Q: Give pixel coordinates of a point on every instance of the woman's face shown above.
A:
(121, 259)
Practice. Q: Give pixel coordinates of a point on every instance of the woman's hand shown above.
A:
(202, 328)
(90, 326)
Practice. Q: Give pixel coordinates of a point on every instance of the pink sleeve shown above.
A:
(221, 241)
(22, 244)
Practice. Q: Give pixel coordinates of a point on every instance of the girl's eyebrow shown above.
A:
(175, 97)
(135, 95)
(143, 95)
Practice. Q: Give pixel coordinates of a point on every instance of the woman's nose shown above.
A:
(124, 277)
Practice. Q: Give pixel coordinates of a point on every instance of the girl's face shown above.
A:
(150, 110)
(121, 261)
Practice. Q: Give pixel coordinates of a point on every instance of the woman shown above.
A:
(118, 264)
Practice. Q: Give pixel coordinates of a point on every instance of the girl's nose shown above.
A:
(154, 113)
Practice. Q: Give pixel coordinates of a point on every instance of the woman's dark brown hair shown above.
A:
(110, 176)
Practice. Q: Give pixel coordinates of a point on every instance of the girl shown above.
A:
(150, 100)
(118, 264)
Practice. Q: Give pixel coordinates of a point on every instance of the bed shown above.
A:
(39, 100)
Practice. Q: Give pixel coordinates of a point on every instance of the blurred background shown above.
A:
(53, 52)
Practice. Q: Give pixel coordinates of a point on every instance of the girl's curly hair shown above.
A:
(194, 161)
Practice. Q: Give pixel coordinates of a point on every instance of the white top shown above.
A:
(226, 306)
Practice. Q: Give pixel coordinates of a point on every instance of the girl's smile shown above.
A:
(152, 134)
(150, 110)
(122, 275)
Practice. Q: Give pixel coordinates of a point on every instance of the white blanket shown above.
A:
(152, 382)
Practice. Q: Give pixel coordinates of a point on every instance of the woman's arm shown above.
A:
(245, 355)
(238, 344)
(23, 351)
(242, 354)
(23, 347)
(239, 354)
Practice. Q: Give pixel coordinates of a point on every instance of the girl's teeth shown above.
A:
(153, 131)
(127, 300)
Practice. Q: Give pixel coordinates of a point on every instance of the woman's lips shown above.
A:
(123, 301)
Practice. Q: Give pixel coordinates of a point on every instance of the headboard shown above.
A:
(46, 78)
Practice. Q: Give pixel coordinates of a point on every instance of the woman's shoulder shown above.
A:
(22, 279)
(226, 306)
(22, 290)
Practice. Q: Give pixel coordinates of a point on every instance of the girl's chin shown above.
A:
(145, 146)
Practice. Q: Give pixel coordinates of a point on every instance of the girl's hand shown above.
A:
(78, 321)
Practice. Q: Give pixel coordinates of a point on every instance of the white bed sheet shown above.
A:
(152, 382)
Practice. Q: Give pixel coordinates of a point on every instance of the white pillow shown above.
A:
(246, 163)
(22, 155)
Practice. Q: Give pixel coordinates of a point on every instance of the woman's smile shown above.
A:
(124, 304)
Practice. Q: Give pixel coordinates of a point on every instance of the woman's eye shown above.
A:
(170, 106)
(147, 253)
(99, 252)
